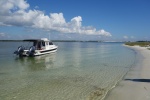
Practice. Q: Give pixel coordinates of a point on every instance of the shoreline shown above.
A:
(136, 83)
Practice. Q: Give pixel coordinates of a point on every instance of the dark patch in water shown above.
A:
(2, 73)
(139, 80)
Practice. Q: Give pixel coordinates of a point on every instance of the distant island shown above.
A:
(54, 41)
(69, 41)
(11, 40)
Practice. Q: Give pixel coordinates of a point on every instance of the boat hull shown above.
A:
(37, 52)
(45, 52)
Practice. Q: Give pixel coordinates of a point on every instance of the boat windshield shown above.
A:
(37, 45)
(50, 43)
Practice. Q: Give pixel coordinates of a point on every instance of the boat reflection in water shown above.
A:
(43, 62)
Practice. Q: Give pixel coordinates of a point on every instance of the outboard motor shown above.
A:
(31, 51)
(19, 51)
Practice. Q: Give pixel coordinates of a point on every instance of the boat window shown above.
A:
(43, 43)
(34, 43)
(39, 45)
(50, 43)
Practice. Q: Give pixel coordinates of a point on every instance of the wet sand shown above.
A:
(136, 84)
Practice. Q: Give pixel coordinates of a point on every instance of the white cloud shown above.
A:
(2, 34)
(17, 13)
(9, 6)
(36, 7)
(132, 37)
(129, 37)
(125, 37)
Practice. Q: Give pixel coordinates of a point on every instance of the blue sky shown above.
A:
(109, 20)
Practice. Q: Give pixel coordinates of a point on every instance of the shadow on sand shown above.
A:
(139, 80)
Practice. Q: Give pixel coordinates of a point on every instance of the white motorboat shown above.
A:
(40, 47)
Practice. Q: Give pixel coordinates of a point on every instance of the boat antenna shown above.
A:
(49, 36)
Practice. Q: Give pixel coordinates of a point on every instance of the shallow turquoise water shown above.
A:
(77, 71)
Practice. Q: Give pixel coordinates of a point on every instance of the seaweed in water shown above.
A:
(96, 93)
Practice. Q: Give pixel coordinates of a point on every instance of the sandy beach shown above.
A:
(136, 83)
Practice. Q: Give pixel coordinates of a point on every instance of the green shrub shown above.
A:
(142, 44)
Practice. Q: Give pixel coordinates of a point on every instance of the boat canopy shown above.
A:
(37, 40)
(32, 40)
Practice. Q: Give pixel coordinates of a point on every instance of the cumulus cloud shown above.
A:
(18, 13)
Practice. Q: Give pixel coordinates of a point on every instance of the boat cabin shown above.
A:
(40, 44)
